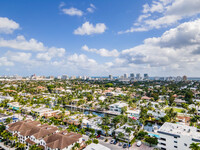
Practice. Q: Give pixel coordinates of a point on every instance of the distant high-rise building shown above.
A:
(132, 75)
(138, 76)
(146, 76)
(184, 78)
(73, 77)
(125, 75)
(59, 77)
(178, 78)
(64, 77)
(110, 77)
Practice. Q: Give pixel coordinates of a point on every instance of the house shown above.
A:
(156, 114)
(133, 113)
(117, 107)
(6, 98)
(3, 118)
(62, 141)
(94, 123)
(14, 105)
(179, 101)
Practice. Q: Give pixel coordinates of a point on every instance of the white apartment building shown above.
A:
(6, 97)
(117, 107)
(177, 137)
(127, 136)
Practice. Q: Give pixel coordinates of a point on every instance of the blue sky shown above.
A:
(98, 38)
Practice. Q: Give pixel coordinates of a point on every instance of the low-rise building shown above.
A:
(127, 136)
(117, 107)
(61, 141)
(45, 136)
(176, 136)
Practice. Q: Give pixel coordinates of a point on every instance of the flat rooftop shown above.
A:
(179, 129)
(3, 115)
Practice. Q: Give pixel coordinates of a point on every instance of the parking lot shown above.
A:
(142, 147)
(117, 147)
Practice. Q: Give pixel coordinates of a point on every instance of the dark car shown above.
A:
(125, 145)
(115, 142)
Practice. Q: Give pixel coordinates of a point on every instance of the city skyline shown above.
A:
(99, 38)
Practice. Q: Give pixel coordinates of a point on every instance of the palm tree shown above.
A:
(172, 115)
(123, 110)
(34, 147)
(195, 146)
(120, 135)
(8, 120)
(20, 145)
(106, 129)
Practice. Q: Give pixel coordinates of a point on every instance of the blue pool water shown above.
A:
(154, 135)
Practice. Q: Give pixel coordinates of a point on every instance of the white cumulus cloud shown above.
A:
(164, 13)
(22, 44)
(7, 26)
(72, 11)
(102, 52)
(88, 29)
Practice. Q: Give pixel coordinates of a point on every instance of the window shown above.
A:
(175, 141)
(163, 144)
(163, 139)
(163, 148)
(185, 144)
(175, 137)
(175, 147)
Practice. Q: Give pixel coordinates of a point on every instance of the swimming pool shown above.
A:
(154, 135)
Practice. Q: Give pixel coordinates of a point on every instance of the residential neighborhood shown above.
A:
(148, 114)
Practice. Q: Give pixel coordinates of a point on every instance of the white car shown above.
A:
(112, 141)
(139, 143)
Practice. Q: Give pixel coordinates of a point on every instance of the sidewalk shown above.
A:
(4, 147)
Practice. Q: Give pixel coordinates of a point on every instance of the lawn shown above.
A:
(179, 110)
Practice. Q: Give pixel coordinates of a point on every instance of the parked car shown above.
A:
(125, 145)
(139, 143)
(98, 136)
(115, 142)
(120, 143)
(112, 141)
(87, 133)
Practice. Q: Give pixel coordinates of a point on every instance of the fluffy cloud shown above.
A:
(5, 62)
(177, 50)
(102, 52)
(81, 61)
(88, 29)
(22, 44)
(52, 52)
(7, 26)
(91, 8)
(20, 57)
(72, 11)
(164, 13)
(186, 34)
